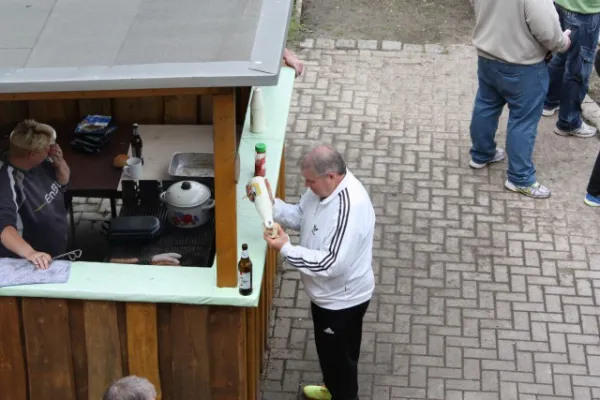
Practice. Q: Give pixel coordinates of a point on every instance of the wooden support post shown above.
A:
(225, 148)
(280, 191)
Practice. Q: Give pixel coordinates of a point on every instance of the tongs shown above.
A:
(73, 255)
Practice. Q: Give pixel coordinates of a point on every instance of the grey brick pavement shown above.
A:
(481, 294)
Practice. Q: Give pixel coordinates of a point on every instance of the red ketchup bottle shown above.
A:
(260, 159)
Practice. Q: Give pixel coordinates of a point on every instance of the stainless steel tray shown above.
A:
(192, 165)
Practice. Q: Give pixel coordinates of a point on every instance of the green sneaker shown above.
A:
(315, 392)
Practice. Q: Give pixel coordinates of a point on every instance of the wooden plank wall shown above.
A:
(180, 109)
(73, 350)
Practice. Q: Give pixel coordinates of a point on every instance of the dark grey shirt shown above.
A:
(33, 202)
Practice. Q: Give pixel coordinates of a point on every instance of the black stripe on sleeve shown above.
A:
(336, 241)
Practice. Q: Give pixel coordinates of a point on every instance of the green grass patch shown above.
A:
(297, 30)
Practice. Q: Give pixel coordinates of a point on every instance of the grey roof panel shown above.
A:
(21, 22)
(83, 33)
(110, 44)
(11, 58)
(194, 31)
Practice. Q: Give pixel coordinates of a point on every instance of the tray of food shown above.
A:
(186, 165)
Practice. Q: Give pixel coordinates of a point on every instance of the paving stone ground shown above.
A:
(481, 293)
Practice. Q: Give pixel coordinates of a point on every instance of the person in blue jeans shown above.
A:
(513, 38)
(570, 72)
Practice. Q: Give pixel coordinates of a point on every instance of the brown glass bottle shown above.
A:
(136, 143)
(245, 272)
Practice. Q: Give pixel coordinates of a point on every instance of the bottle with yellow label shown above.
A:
(264, 205)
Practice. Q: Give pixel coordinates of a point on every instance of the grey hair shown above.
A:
(324, 159)
(131, 388)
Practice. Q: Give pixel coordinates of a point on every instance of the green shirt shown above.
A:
(580, 6)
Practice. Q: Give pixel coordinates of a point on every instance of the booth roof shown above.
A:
(86, 45)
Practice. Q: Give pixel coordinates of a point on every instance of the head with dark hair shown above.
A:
(323, 168)
(131, 388)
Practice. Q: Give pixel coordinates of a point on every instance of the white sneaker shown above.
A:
(499, 156)
(584, 131)
(536, 191)
(548, 112)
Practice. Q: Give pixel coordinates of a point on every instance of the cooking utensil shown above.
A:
(189, 204)
(132, 228)
(73, 255)
(192, 165)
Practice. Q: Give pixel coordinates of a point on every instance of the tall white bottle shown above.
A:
(263, 204)
(257, 111)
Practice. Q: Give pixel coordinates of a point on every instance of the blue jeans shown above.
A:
(523, 88)
(570, 72)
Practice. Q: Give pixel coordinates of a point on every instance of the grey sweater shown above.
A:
(516, 31)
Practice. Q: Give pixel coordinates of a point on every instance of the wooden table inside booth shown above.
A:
(162, 142)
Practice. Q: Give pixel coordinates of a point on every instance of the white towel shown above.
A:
(18, 271)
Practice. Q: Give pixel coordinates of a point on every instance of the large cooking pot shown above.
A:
(188, 203)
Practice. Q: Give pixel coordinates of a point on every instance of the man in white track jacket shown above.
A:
(336, 221)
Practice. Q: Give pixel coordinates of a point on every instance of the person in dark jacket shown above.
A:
(33, 178)
(592, 198)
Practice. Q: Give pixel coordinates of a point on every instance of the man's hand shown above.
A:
(292, 61)
(277, 242)
(63, 172)
(250, 191)
(567, 37)
(39, 259)
(56, 154)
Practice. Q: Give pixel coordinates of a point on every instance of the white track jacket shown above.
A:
(336, 244)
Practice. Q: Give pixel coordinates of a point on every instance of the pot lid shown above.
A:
(187, 194)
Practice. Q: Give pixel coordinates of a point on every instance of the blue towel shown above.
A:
(18, 271)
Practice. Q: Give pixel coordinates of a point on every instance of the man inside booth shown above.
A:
(33, 178)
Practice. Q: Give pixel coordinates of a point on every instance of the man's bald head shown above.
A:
(324, 159)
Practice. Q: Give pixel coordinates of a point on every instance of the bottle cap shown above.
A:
(244, 246)
(260, 148)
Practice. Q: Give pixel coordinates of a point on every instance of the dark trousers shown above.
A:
(570, 71)
(338, 335)
(594, 183)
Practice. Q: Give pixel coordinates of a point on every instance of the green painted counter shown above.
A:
(188, 285)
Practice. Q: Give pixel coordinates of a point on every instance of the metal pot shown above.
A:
(188, 203)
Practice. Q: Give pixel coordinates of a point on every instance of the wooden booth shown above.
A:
(168, 65)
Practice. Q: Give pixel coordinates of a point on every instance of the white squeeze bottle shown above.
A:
(263, 204)
(257, 112)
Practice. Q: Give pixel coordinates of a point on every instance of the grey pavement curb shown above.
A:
(382, 45)
(298, 15)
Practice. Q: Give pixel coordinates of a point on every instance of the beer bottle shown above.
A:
(136, 143)
(245, 272)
